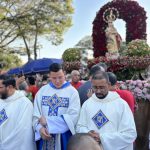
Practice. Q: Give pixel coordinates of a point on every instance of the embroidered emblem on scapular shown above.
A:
(54, 102)
(3, 116)
(100, 119)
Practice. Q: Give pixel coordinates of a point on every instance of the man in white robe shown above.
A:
(107, 117)
(56, 111)
(15, 117)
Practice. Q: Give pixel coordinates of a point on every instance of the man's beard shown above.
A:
(3, 96)
(101, 96)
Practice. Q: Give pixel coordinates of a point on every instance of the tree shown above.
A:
(85, 42)
(72, 54)
(9, 61)
(29, 19)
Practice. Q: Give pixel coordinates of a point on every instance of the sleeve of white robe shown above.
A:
(72, 114)
(22, 135)
(37, 113)
(126, 134)
(82, 122)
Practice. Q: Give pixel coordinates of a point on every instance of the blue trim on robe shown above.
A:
(66, 84)
(64, 139)
(39, 144)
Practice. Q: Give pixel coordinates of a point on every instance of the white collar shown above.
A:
(17, 95)
(109, 98)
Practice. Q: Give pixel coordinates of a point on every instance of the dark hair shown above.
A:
(55, 67)
(45, 77)
(94, 69)
(100, 75)
(8, 80)
(76, 140)
(112, 78)
(23, 86)
(102, 64)
(31, 80)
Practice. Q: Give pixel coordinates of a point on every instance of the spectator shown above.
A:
(75, 79)
(85, 91)
(124, 94)
(32, 87)
(45, 80)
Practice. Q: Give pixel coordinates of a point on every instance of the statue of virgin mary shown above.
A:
(113, 38)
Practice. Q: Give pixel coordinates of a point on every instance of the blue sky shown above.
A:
(84, 14)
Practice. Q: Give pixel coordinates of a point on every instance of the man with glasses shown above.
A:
(107, 117)
(15, 117)
(56, 110)
(85, 90)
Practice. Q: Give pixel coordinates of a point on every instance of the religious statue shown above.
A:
(113, 38)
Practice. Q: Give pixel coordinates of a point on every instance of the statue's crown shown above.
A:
(109, 16)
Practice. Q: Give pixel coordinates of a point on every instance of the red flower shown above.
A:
(130, 12)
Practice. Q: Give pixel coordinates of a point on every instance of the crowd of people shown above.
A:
(53, 112)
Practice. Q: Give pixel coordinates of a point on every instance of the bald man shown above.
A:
(75, 79)
(82, 141)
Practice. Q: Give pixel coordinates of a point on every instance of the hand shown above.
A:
(42, 121)
(44, 134)
(95, 135)
(19, 81)
(90, 92)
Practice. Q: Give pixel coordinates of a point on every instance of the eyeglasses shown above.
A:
(98, 88)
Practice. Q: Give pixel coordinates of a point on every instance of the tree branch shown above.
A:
(9, 42)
